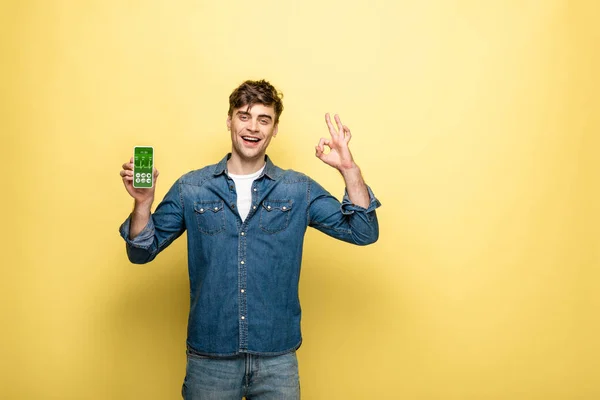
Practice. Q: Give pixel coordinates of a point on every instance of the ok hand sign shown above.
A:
(339, 155)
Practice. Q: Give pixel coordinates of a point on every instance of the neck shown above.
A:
(239, 166)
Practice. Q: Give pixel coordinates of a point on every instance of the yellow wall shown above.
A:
(475, 122)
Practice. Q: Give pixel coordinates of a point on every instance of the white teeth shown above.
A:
(250, 139)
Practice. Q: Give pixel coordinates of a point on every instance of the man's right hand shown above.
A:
(143, 199)
(143, 196)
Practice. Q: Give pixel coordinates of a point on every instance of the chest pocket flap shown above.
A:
(210, 216)
(275, 215)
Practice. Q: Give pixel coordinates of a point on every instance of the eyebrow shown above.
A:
(259, 116)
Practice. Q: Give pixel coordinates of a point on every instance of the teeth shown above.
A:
(250, 139)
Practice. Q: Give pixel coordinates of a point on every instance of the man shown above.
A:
(246, 220)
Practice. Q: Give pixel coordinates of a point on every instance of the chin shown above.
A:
(249, 154)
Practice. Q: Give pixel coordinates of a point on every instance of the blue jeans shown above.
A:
(246, 375)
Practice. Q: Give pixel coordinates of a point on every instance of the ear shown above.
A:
(275, 129)
(228, 123)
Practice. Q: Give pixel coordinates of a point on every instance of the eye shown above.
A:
(243, 117)
(264, 121)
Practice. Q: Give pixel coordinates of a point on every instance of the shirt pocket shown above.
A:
(275, 215)
(210, 216)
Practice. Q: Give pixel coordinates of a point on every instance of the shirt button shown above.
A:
(268, 207)
(243, 317)
(242, 234)
(255, 189)
(254, 207)
(283, 208)
(216, 208)
(242, 263)
(243, 291)
(202, 210)
(233, 206)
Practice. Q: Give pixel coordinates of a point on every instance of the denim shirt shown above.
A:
(244, 274)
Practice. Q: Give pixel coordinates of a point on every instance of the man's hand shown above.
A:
(143, 199)
(340, 158)
(141, 196)
(339, 155)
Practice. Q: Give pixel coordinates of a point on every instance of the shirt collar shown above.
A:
(271, 171)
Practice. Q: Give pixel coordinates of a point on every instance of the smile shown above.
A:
(251, 139)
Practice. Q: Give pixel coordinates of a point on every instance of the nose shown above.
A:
(253, 125)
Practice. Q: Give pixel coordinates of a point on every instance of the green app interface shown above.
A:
(143, 161)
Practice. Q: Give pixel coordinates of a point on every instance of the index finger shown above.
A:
(128, 165)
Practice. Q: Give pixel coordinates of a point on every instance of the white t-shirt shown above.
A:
(243, 187)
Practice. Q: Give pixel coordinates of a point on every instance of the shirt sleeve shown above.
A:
(345, 221)
(165, 225)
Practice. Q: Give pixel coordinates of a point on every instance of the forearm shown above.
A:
(347, 221)
(139, 218)
(355, 186)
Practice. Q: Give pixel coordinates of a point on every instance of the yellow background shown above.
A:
(475, 122)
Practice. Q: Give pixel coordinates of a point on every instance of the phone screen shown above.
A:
(143, 163)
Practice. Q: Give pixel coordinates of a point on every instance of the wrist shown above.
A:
(142, 207)
(349, 170)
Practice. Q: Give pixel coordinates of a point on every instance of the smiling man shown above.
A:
(246, 219)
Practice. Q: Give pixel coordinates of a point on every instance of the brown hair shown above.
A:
(256, 92)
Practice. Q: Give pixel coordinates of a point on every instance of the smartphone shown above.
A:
(143, 166)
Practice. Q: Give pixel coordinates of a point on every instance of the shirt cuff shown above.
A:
(349, 208)
(145, 238)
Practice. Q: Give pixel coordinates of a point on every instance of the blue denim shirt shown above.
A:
(244, 274)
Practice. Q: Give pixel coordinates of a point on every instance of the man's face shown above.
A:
(251, 131)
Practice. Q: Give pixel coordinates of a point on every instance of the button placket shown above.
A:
(243, 303)
(242, 296)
